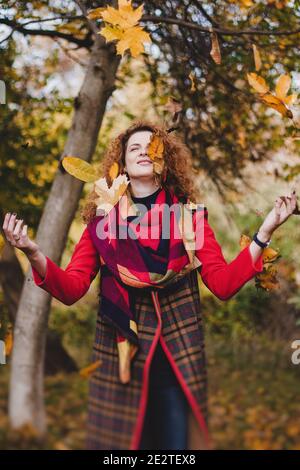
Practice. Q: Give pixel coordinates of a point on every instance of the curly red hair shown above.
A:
(177, 158)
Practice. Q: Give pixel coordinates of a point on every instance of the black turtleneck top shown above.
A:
(161, 371)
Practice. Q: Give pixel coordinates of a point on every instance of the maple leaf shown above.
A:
(122, 26)
(108, 197)
(133, 39)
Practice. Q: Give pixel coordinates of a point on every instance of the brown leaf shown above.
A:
(215, 48)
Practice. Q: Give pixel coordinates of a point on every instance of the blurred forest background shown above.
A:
(55, 66)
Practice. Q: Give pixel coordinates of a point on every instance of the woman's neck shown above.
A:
(141, 188)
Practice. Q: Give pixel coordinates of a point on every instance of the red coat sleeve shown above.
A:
(224, 279)
(71, 284)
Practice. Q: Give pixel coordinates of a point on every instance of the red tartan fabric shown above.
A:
(222, 278)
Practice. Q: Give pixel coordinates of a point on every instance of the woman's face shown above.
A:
(137, 162)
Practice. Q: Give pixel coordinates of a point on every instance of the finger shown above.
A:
(11, 223)
(6, 220)
(288, 204)
(24, 231)
(277, 206)
(16, 231)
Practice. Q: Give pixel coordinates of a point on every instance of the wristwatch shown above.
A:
(261, 244)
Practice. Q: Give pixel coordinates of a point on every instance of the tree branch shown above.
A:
(86, 42)
(227, 32)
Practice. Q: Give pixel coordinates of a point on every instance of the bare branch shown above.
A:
(86, 42)
(227, 32)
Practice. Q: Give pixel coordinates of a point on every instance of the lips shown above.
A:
(144, 161)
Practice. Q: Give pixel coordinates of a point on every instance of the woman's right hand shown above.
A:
(16, 234)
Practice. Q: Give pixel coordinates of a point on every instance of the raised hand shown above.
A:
(16, 234)
(283, 208)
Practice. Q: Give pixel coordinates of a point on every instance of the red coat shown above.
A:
(222, 279)
(108, 397)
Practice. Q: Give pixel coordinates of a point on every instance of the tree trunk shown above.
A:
(26, 399)
(11, 279)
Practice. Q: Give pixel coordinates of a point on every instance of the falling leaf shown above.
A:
(215, 48)
(258, 83)
(267, 280)
(114, 170)
(244, 241)
(8, 343)
(241, 140)
(174, 107)
(156, 152)
(257, 59)
(90, 369)
(108, 197)
(275, 103)
(279, 101)
(282, 87)
(122, 26)
(192, 78)
(270, 255)
(79, 168)
(96, 13)
(133, 40)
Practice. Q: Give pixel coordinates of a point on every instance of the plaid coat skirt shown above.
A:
(116, 411)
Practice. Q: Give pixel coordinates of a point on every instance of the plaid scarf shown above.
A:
(129, 259)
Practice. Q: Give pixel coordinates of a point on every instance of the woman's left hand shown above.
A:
(284, 207)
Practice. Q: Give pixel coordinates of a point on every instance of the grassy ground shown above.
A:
(253, 401)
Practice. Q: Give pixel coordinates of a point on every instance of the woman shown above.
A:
(150, 389)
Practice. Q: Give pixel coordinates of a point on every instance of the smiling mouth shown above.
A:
(144, 162)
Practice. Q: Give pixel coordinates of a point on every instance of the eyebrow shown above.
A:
(136, 143)
(131, 145)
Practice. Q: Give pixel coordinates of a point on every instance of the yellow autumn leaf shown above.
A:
(8, 343)
(244, 241)
(268, 280)
(275, 103)
(133, 40)
(241, 140)
(282, 87)
(111, 33)
(122, 26)
(90, 369)
(257, 82)
(156, 147)
(257, 59)
(269, 255)
(215, 48)
(125, 16)
(108, 197)
(158, 167)
(96, 13)
(192, 78)
(114, 170)
(79, 168)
